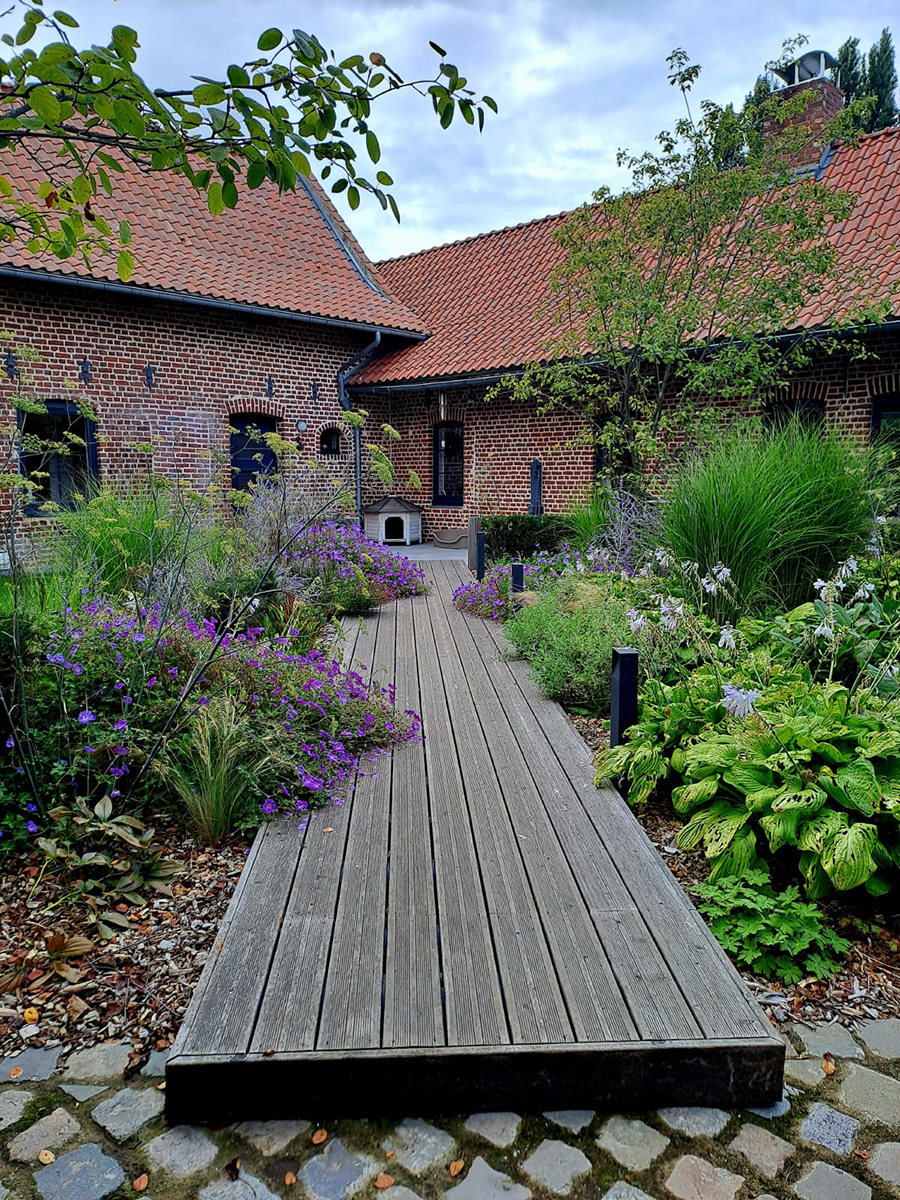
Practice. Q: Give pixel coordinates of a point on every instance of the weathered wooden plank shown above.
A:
(224, 1019)
(352, 998)
(558, 836)
(713, 989)
(289, 1019)
(534, 1001)
(595, 1001)
(473, 997)
(413, 1013)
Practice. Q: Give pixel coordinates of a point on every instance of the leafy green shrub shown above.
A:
(568, 640)
(779, 508)
(519, 536)
(791, 767)
(774, 934)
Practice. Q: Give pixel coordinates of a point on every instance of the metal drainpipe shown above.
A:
(345, 374)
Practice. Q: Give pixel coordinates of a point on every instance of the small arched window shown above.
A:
(330, 443)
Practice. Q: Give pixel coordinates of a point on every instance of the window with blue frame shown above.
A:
(447, 475)
(58, 454)
(250, 456)
(886, 419)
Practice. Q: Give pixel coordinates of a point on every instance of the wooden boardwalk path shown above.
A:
(477, 927)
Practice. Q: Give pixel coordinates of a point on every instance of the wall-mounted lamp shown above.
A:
(301, 429)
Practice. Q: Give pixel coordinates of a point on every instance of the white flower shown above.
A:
(726, 638)
(646, 571)
(636, 620)
(864, 591)
(721, 573)
(846, 570)
(662, 558)
(709, 585)
(739, 701)
(819, 586)
(687, 565)
(823, 630)
(881, 520)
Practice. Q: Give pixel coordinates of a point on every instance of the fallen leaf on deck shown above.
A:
(861, 1153)
(828, 1065)
(328, 830)
(290, 1179)
(456, 1166)
(16, 1073)
(32, 1016)
(140, 1184)
(384, 1181)
(233, 1168)
(388, 1154)
(46, 1157)
(319, 1137)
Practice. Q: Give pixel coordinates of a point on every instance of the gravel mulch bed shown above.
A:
(869, 983)
(137, 985)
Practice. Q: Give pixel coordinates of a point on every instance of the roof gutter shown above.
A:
(345, 374)
(147, 293)
(428, 385)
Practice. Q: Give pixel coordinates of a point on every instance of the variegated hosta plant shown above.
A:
(800, 768)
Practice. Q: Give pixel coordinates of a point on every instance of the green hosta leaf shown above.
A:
(686, 799)
(763, 799)
(747, 779)
(810, 800)
(881, 745)
(692, 834)
(718, 837)
(817, 882)
(878, 884)
(858, 781)
(710, 758)
(737, 858)
(847, 856)
(781, 828)
(812, 835)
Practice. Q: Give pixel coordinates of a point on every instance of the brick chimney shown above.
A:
(808, 74)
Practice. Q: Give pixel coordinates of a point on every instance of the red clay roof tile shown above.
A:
(272, 251)
(480, 296)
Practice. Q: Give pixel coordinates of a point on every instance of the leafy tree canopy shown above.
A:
(873, 79)
(671, 296)
(292, 108)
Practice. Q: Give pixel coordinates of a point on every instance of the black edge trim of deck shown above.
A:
(620, 1076)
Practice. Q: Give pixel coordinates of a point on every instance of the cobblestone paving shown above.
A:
(72, 1128)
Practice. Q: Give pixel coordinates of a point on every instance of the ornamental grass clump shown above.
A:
(781, 507)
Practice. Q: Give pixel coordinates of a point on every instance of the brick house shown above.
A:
(272, 316)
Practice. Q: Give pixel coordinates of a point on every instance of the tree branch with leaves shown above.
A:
(289, 110)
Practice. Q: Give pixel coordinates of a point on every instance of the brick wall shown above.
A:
(209, 364)
(501, 437)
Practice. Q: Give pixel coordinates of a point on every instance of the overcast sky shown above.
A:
(574, 80)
